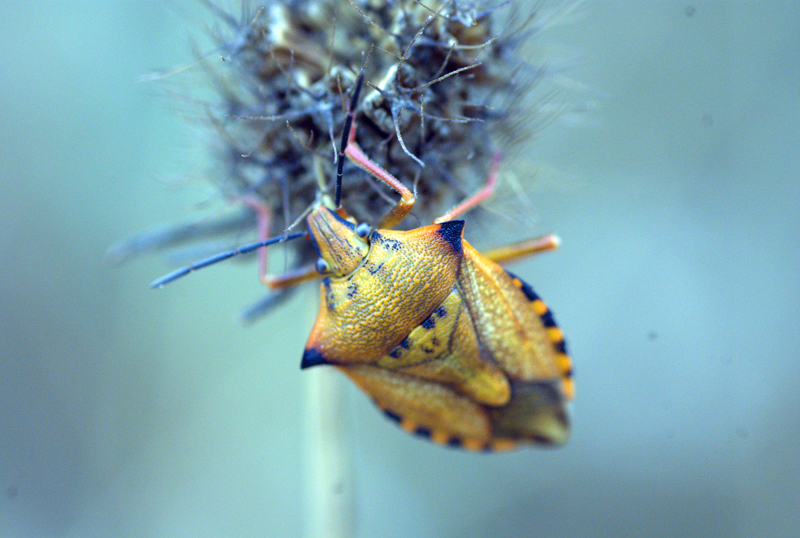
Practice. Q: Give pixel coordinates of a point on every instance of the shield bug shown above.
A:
(445, 341)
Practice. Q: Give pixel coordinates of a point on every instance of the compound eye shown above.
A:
(322, 266)
(362, 230)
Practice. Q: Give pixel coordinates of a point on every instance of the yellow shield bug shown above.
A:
(445, 341)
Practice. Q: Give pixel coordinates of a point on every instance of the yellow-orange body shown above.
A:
(445, 341)
(442, 338)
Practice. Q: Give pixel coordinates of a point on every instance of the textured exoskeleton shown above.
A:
(447, 342)
(442, 338)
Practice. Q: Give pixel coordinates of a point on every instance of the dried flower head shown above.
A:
(446, 90)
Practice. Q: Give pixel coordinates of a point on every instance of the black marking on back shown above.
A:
(451, 231)
(372, 268)
(423, 431)
(419, 430)
(330, 302)
(526, 288)
(352, 289)
(430, 322)
(398, 349)
(547, 318)
(388, 244)
(394, 416)
(452, 442)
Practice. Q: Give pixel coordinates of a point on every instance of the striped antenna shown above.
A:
(183, 271)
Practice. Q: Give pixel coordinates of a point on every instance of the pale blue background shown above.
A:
(126, 412)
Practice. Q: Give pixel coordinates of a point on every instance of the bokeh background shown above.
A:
(129, 412)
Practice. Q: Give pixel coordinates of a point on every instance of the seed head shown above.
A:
(445, 90)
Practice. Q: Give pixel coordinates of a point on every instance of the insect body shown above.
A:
(443, 339)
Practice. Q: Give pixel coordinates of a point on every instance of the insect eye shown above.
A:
(362, 230)
(322, 266)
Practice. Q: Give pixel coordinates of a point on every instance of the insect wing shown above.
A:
(518, 330)
(513, 323)
(436, 381)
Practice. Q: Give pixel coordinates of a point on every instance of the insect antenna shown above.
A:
(183, 271)
(348, 123)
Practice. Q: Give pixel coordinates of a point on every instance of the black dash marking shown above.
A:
(393, 416)
(330, 302)
(398, 349)
(430, 323)
(423, 431)
(312, 357)
(455, 442)
(372, 268)
(388, 244)
(547, 318)
(541, 440)
(451, 231)
(352, 290)
(526, 288)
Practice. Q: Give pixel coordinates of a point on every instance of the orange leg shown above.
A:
(407, 198)
(486, 192)
(290, 278)
(264, 220)
(506, 253)
(522, 249)
(285, 280)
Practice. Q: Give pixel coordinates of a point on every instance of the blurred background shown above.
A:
(130, 412)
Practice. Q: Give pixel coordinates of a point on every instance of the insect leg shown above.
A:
(356, 155)
(483, 194)
(290, 278)
(522, 249)
(264, 220)
(510, 252)
(274, 282)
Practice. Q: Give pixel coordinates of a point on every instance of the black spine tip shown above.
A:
(312, 357)
(451, 232)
